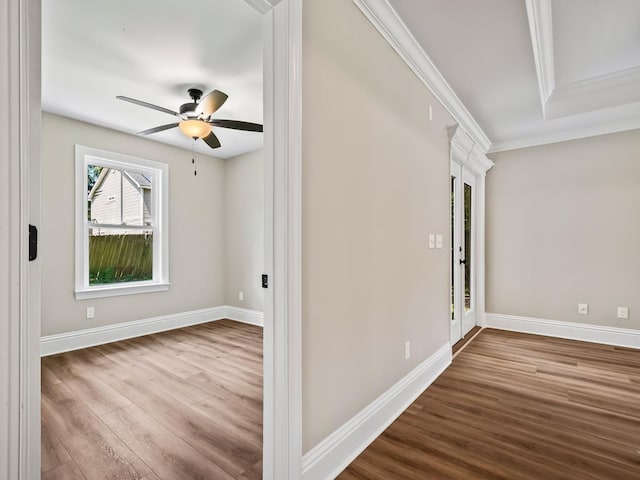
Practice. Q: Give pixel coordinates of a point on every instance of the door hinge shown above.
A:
(33, 243)
(265, 281)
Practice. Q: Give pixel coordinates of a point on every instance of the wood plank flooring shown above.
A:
(518, 407)
(178, 405)
(460, 344)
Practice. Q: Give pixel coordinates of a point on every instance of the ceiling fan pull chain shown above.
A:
(193, 159)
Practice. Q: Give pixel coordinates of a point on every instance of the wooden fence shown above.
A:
(120, 258)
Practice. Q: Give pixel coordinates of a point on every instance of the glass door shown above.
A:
(462, 296)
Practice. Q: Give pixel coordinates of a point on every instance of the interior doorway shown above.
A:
(20, 443)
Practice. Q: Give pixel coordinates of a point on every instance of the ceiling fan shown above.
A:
(195, 117)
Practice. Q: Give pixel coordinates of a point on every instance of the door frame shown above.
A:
(464, 320)
(471, 159)
(20, 129)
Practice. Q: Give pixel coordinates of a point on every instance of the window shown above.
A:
(121, 224)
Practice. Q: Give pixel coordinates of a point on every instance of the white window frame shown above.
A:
(159, 173)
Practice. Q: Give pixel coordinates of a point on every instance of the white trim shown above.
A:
(19, 206)
(603, 128)
(541, 28)
(282, 57)
(282, 422)
(466, 152)
(261, 6)
(117, 289)
(385, 19)
(90, 337)
(621, 337)
(244, 315)
(589, 94)
(11, 243)
(159, 172)
(595, 93)
(480, 251)
(331, 456)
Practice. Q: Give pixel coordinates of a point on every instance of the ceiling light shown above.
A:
(195, 128)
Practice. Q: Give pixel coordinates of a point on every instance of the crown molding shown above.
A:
(541, 27)
(596, 93)
(467, 152)
(587, 95)
(385, 19)
(566, 135)
(262, 6)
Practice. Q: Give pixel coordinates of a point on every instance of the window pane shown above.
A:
(467, 246)
(118, 197)
(119, 255)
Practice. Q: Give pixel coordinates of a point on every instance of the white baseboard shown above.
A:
(622, 337)
(331, 456)
(65, 342)
(244, 315)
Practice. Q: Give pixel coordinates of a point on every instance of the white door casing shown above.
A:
(468, 166)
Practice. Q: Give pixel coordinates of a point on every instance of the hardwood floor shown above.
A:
(178, 405)
(518, 407)
(460, 344)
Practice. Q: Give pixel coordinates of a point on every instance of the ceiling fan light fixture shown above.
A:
(195, 128)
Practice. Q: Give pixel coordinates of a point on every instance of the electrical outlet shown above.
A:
(623, 312)
(407, 350)
(240, 296)
(91, 313)
(583, 308)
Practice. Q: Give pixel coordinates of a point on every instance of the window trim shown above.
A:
(85, 156)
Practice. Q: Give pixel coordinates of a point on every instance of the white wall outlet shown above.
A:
(583, 308)
(623, 312)
(438, 241)
(240, 296)
(430, 112)
(91, 313)
(407, 350)
(432, 240)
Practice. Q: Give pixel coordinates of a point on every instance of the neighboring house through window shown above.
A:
(121, 224)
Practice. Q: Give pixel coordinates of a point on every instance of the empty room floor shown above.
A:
(183, 404)
(518, 407)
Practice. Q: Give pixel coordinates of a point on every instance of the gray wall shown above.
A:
(375, 184)
(244, 229)
(196, 233)
(563, 227)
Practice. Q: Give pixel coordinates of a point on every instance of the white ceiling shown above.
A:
(153, 50)
(535, 71)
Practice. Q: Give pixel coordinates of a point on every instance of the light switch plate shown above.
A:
(438, 241)
(432, 240)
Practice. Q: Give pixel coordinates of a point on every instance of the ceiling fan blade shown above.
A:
(210, 103)
(212, 140)
(158, 129)
(237, 125)
(148, 105)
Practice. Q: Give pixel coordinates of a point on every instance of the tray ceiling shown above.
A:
(535, 71)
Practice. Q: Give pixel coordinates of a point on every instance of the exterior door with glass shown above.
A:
(463, 219)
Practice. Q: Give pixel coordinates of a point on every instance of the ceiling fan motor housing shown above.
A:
(187, 108)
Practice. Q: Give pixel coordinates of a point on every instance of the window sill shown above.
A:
(117, 290)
